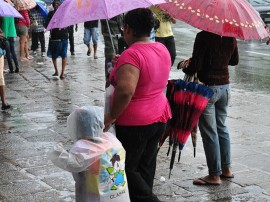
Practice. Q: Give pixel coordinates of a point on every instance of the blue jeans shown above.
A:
(10, 53)
(214, 132)
(90, 33)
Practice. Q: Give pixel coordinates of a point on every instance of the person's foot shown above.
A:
(34, 53)
(11, 71)
(72, 53)
(227, 173)
(6, 106)
(95, 57)
(207, 180)
(29, 57)
(62, 77)
(88, 52)
(17, 70)
(55, 74)
(43, 54)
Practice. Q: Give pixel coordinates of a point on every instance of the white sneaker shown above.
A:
(43, 54)
(34, 53)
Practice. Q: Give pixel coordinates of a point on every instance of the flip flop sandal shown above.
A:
(226, 177)
(201, 181)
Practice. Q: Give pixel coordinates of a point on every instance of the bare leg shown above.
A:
(64, 62)
(54, 60)
(2, 85)
(89, 49)
(95, 51)
(22, 47)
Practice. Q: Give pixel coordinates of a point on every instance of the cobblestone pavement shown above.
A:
(41, 104)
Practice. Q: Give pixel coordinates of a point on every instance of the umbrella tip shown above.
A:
(194, 152)
(170, 173)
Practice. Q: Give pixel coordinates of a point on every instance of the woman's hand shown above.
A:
(115, 59)
(108, 121)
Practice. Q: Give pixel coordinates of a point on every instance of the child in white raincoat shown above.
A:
(96, 159)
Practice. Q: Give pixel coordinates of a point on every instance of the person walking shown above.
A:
(164, 33)
(58, 43)
(139, 107)
(210, 59)
(71, 38)
(8, 27)
(38, 21)
(91, 31)
(22, 27)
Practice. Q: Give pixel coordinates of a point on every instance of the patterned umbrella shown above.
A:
(72, 12)
(187, 101)
(24, 4)
(7, 10)
(235, 18)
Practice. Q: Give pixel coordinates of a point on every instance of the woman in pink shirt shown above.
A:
(22, 27)
(139, 106)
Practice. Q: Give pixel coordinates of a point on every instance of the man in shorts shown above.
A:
(91, 31)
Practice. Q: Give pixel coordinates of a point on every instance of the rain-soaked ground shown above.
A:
(41, 104)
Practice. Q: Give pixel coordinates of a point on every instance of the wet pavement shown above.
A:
(41, 104)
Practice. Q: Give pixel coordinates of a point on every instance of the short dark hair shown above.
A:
(141, 20)
(56, 2)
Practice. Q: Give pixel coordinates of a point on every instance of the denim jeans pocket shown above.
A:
(213, 99)
(228, 91)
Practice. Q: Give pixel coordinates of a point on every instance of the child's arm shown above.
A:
(70, 161)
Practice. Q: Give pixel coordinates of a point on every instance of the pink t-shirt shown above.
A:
(149, 103)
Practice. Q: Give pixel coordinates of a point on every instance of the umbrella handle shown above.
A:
(108, 26)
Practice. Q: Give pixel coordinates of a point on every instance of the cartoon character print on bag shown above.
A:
(116, 173)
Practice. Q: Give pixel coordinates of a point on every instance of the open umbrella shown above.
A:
(42, 7)
(24, 4)
(235, 18)
(187, 101)
(7, 10)
(72, 12)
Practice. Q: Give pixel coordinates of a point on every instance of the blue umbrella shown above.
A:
(42, 8)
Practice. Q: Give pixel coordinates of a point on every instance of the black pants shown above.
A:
(71, 39)
(38, 36)
(140, 143)
(170, 44)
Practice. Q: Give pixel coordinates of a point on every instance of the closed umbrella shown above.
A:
(187, 101)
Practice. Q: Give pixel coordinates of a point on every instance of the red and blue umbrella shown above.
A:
(187, 101)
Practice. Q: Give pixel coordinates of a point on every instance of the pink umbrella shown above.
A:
(24, 4)
(7, 10)
(73, 12)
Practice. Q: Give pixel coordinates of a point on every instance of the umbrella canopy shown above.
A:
(24, 4)
(187, 101)
(7, 10)
(42, 8)
(73, 12)
(235, 18)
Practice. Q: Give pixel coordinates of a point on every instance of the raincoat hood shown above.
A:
(86, 123)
